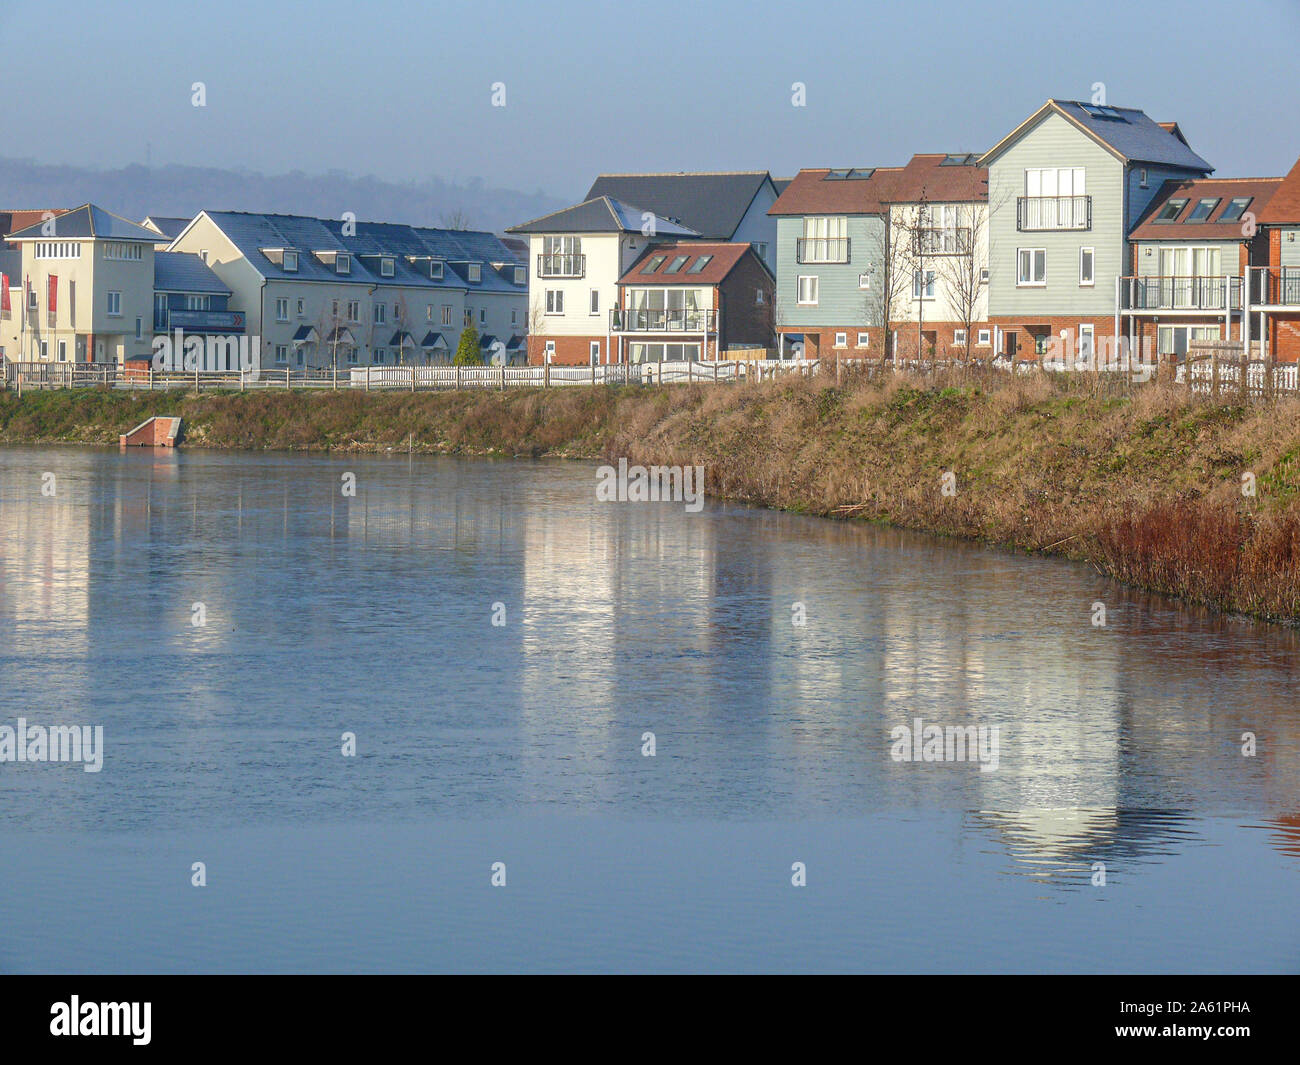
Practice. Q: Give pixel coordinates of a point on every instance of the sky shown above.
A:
(406, 91)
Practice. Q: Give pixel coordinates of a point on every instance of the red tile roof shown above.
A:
(1284, 207)
(1261, 191)
(925, 177)
(724, 258)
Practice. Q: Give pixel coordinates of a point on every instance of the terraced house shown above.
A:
(324, 294)
(884, 261)
(1189, 253)
(1274, 285)
(1080, 177)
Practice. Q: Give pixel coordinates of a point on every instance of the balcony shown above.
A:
(662, 320)
(1181, 293)
(1273, 286)
(198, 321)
(561, 265)
(822, 249)
(1044, 213)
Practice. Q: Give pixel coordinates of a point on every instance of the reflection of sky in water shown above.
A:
(372, 614)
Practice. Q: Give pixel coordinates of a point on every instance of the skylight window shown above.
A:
(1101, 111)
(654, 264)
(677, 264)
(1203, 209)
(1235, 209)
(1171, 210)
(958, 160)
(836, 175)
(700, 264)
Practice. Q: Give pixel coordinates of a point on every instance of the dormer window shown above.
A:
(435, 269)
(386, 266)
(521, 275)
(290, 263)
(342, 264)
(475, 272)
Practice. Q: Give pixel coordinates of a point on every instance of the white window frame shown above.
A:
(864, 340)
(282, 354)
(1091, 279)
(114, 304)
(593, 352)
(841, 340)
(475, 272)
(920, 290)
(1032, 252)
(282, 308)
(864, 281)
(959, 337)
(814, 285)
(593, 301)
(984, 338)
(1089, 330)
(554, 301)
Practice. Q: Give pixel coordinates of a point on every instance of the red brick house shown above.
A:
(1275, 285)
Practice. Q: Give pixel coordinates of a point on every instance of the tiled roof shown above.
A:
(1260, 192)
(13, 221)
(1126, 131)
(722, 259)
(712, 204)
(168, 227)
(825, 191)
(939, 178)
(176, 271)
(88, 222)
(1284, 207)
(601, 215)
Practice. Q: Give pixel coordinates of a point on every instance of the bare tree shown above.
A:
(456, 219)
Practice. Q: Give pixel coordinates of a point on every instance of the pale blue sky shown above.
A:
(404, 91)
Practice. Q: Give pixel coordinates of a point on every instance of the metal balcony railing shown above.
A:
(677, 320)
(1038, 213)
(1181, 293)
(1274, 286)
(561, 265)
(942, 242)
(822, 249)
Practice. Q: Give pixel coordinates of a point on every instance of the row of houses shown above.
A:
(1086, 223)
(232, 289)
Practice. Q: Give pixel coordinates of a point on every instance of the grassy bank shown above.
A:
(1146, 484)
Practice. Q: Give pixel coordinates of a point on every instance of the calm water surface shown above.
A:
(522, 743)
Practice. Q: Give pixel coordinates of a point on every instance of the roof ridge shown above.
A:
(683, 173)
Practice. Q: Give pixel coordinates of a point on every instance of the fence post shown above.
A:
(1214, 375)
(412, 377)
(503, 377)
(546, 373)
(457, 377)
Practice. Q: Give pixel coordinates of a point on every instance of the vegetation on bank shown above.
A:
(1145, 482)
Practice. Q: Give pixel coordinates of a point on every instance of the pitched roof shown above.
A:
(168, 227)
(602, 214)
(939, 178)
(823, 191)
(88, 222)
(13, 221)
(713, 204)
(1260, 191)
(781, 184)
(1126, 131)
(1284, 207)
(718, 261)
(11, 264)
(178, 271)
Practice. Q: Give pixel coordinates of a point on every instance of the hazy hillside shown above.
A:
(136, 191)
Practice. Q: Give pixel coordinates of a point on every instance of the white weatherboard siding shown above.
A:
(942, 307)
(608, 256)
(1056, 142)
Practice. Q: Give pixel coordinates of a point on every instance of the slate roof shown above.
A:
(1126, 131)
(88, 222)
(1284, 208)
(11, 264)
(433, 340)
(712, 204)
(1260, 191)
(168, 227)
(722, 260)
(251, 233)
(13, 221)
(603, 214)
(176, 271)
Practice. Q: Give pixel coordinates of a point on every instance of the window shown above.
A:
(676, 264)
(864, 340)
(595, 301)
(761, 249)
(825, 240)
(302, 308)
(1055, 181)
(1235, 209)
(378, 355)
(63, 344)
(1085, 341)
(122, 252)
(114, 303)
(282, 310)
(554, 301)
(1041, 340)
(397, 312)
(808, 290)
(290, 262)
(198, 303)
(655, 262)
(841, 340)
(354, 310)
(959, 337)
(446, 314)
(594, 352)
(139, 327)
(922, 289)
(342, 263)
(1085, 266)
(514, 316)
(435, 270)
(561, 257)
(1142, 177)
(1031, 266)
(550, 350)
(696, 266)
(351, 354)
(983, 338)
(31, 300)
(1203, 209)
(475, 272)
(759, 297)
(467, 319)
(1171, 210)
(521, 276)
(61, 250)
(381, 313)
(45, 350)
(428, 313)
(864, 280)
(203, 254)
(282, 353)
(482, 316)
(334, 309)
(386, 267)
(984, 276)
